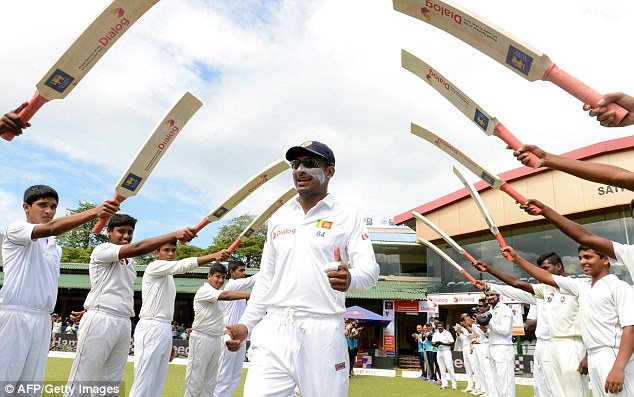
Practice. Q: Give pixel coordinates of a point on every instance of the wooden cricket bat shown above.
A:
(445, 237)
(490, 125)
(84, 53)
(491, 40)
(446, 257)
(483, 210)
(490, 178)
(259, 179)
(266, 214)
(153, 150)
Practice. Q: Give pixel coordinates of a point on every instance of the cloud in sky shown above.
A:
(272, 74)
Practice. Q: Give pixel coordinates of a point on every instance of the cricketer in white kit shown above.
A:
(295, 315)
(501, 353)
(444, 340)
(153, 332)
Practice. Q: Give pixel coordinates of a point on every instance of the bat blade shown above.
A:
(446, 257)
(444, 236)
(501, 46)
(153, 149)
(112, 23)
(266, 214)
(474, 112)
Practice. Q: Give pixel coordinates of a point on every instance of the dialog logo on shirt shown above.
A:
(283, 232)
(322, 224)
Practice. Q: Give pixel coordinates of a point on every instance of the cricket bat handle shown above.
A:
(198, 228)
(468, 276)
(34, 105)
(502, 244)
(234, 245)
(104, 221)
(504, 134)
(506, 188)
(580, 91)
(469, 257)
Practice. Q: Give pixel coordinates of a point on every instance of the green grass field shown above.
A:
(58, 369)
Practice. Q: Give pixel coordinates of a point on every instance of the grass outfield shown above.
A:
(57, 371)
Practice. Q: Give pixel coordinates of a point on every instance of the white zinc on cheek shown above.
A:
(316, 173)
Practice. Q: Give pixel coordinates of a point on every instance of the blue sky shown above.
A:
(274, 74)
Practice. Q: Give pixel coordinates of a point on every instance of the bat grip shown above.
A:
(506, 188)
(25, 115)
(504, 134)
(198, 228)
(234, 245)
(104, 221)
(502, 244)
(469, 257)
(468, 276)
(580, 91)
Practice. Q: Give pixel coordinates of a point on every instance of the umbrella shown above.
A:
(366, 317)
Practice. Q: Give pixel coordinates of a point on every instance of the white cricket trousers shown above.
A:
(291, 348)
(566, 354)
(230, 371)
(502, 358)
(544, 384)
(202, 364)
(103, 346)
(25, 336)
(152, 349)
(445, 363)
(470, 364)
(600, 364)
(484, 376)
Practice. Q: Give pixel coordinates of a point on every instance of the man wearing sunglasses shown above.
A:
(316, 250)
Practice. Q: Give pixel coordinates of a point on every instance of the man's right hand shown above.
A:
(185, 235)
(605, 117)
(12, 122)
(530, 205)
(522, 153)
(238, 333)
(221, 255)
(107, 209)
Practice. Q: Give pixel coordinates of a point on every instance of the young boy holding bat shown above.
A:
(103, 343)
(153, 332)
(31, 273)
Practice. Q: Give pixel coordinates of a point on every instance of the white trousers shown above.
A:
(485, 376)
(542, 372)
(25, 336)
(469, 360)
(202, 364)
(296, 348)
(230, 371)
(445, 363)
(502, 359)
(103, 346)
(566, 354)
(600, 364)
(152, 348)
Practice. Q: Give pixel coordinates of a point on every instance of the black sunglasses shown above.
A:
(308, 163)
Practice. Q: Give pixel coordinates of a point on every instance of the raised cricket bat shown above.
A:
(446, 257)
(153, 150)
(266, 214)
(490, 178)
(483, 210)
(84, 53)
(491, 40)
(259, 179)
(445, 237)
(490, 125)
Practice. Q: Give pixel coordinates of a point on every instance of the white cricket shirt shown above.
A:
(465, 338)
(482, 337)
(542, 331)
(234, 309)
(208, 311)
(500, 328)
(444, 337)
(31, 268)
(158, 289)
(562, 312)
(111, 281)
(297, 248)
(604, 309)
(624, 255)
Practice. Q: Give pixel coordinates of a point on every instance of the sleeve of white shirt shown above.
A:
(241, 284)
(502, 323)
(19, 233)
(207, 295)
(532, 313)
(166, 268)
(256, 309)
(624, 297)
(624, 255)
(515, 293)
(106, 253)
(567, 285)
(364, 271)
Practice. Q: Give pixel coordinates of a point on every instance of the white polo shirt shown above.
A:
(542, 330)
(234, 309)
(465, 338)
(604, 309)
(624, 255)
(111, 281)
(500, 328)
(562, 312)
(159, 290)
(480, 335)
(208, 311)
(297, 248)
(31, 268)
(444, 337)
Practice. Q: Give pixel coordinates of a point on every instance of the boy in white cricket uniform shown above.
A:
(231, 362)
(153, 332)
(103, 342)
(501, 354)
(205, 341)
(31, 273)
(300, 341)
(444, 340)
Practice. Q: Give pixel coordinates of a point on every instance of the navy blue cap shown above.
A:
(313, 147)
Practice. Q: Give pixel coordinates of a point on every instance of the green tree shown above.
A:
(250, 251)
(77, 244)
